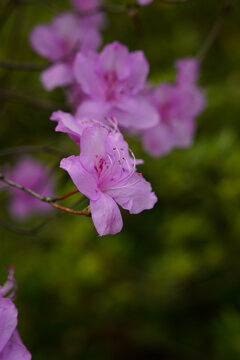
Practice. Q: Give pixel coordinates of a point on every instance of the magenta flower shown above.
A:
(90, 11)
(32, 174)
(59, 42)
(144, 2)
(106, 174)
(178, 105)
(11, 346)
(83, 5)
(113, 81)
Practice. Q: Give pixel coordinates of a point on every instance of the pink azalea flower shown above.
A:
(11, 346)
(113, 81)
(32, 174)
(106, 174)
(144, 2)
(178, 105)
(89, 11)
(83, 5)
(59, 42)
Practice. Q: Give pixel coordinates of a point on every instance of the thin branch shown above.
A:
(10, 65)
(85, 212)
(225, 10)
(65, 196)
(30, 149)
(10, 95)
(48, 200)
(31, 192)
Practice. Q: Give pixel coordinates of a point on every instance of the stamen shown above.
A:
(127, 185)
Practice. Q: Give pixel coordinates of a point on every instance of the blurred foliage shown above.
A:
(168, 286)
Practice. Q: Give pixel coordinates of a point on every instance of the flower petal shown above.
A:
(106, 215)
(59, 74)
(135, 113)
(136, 195)
(8, 321)
(139, 72)
(93, 146)
(68, 124)
(84, 181)
(15, 350)
(96, 110)
(187, 71)
(44, 40)
(159, 140)
(84, 69)
(114, 59)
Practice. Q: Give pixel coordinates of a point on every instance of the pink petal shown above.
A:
(44, 40)
(94, 109)
(135, 113)
(106, 215)
(84, 70)
(139, 72)
(159, 140)
(115, 59)
(8, 321)
(68, 124)
(187, 71)
(59, 74)
(93, 146)
(84, 181)
(136, 195)
(15, 350)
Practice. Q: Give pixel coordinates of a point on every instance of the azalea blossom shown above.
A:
(112, 82)
(144, 2)
(33, 175)
(59, 42)
(90, 12)
(178, 106)
(83, 5)
(106, 174)
(11, 346)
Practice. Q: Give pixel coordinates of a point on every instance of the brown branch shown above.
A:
(225, 10)
(33, 193)
(65, 196)
(85, 212)
(48, 200)
(10, 65)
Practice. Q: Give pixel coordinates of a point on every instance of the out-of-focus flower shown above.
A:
(59, 42)
(90, 12)
(113, 81)
(33, 175)
(11, 346)
(178, 105)
(144, 2)
(83, 5)
(106, 174)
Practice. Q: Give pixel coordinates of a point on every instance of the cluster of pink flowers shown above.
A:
(11, 346)
(109, 95)
(33, 175)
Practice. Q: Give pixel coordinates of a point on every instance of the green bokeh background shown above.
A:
(168, 286)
